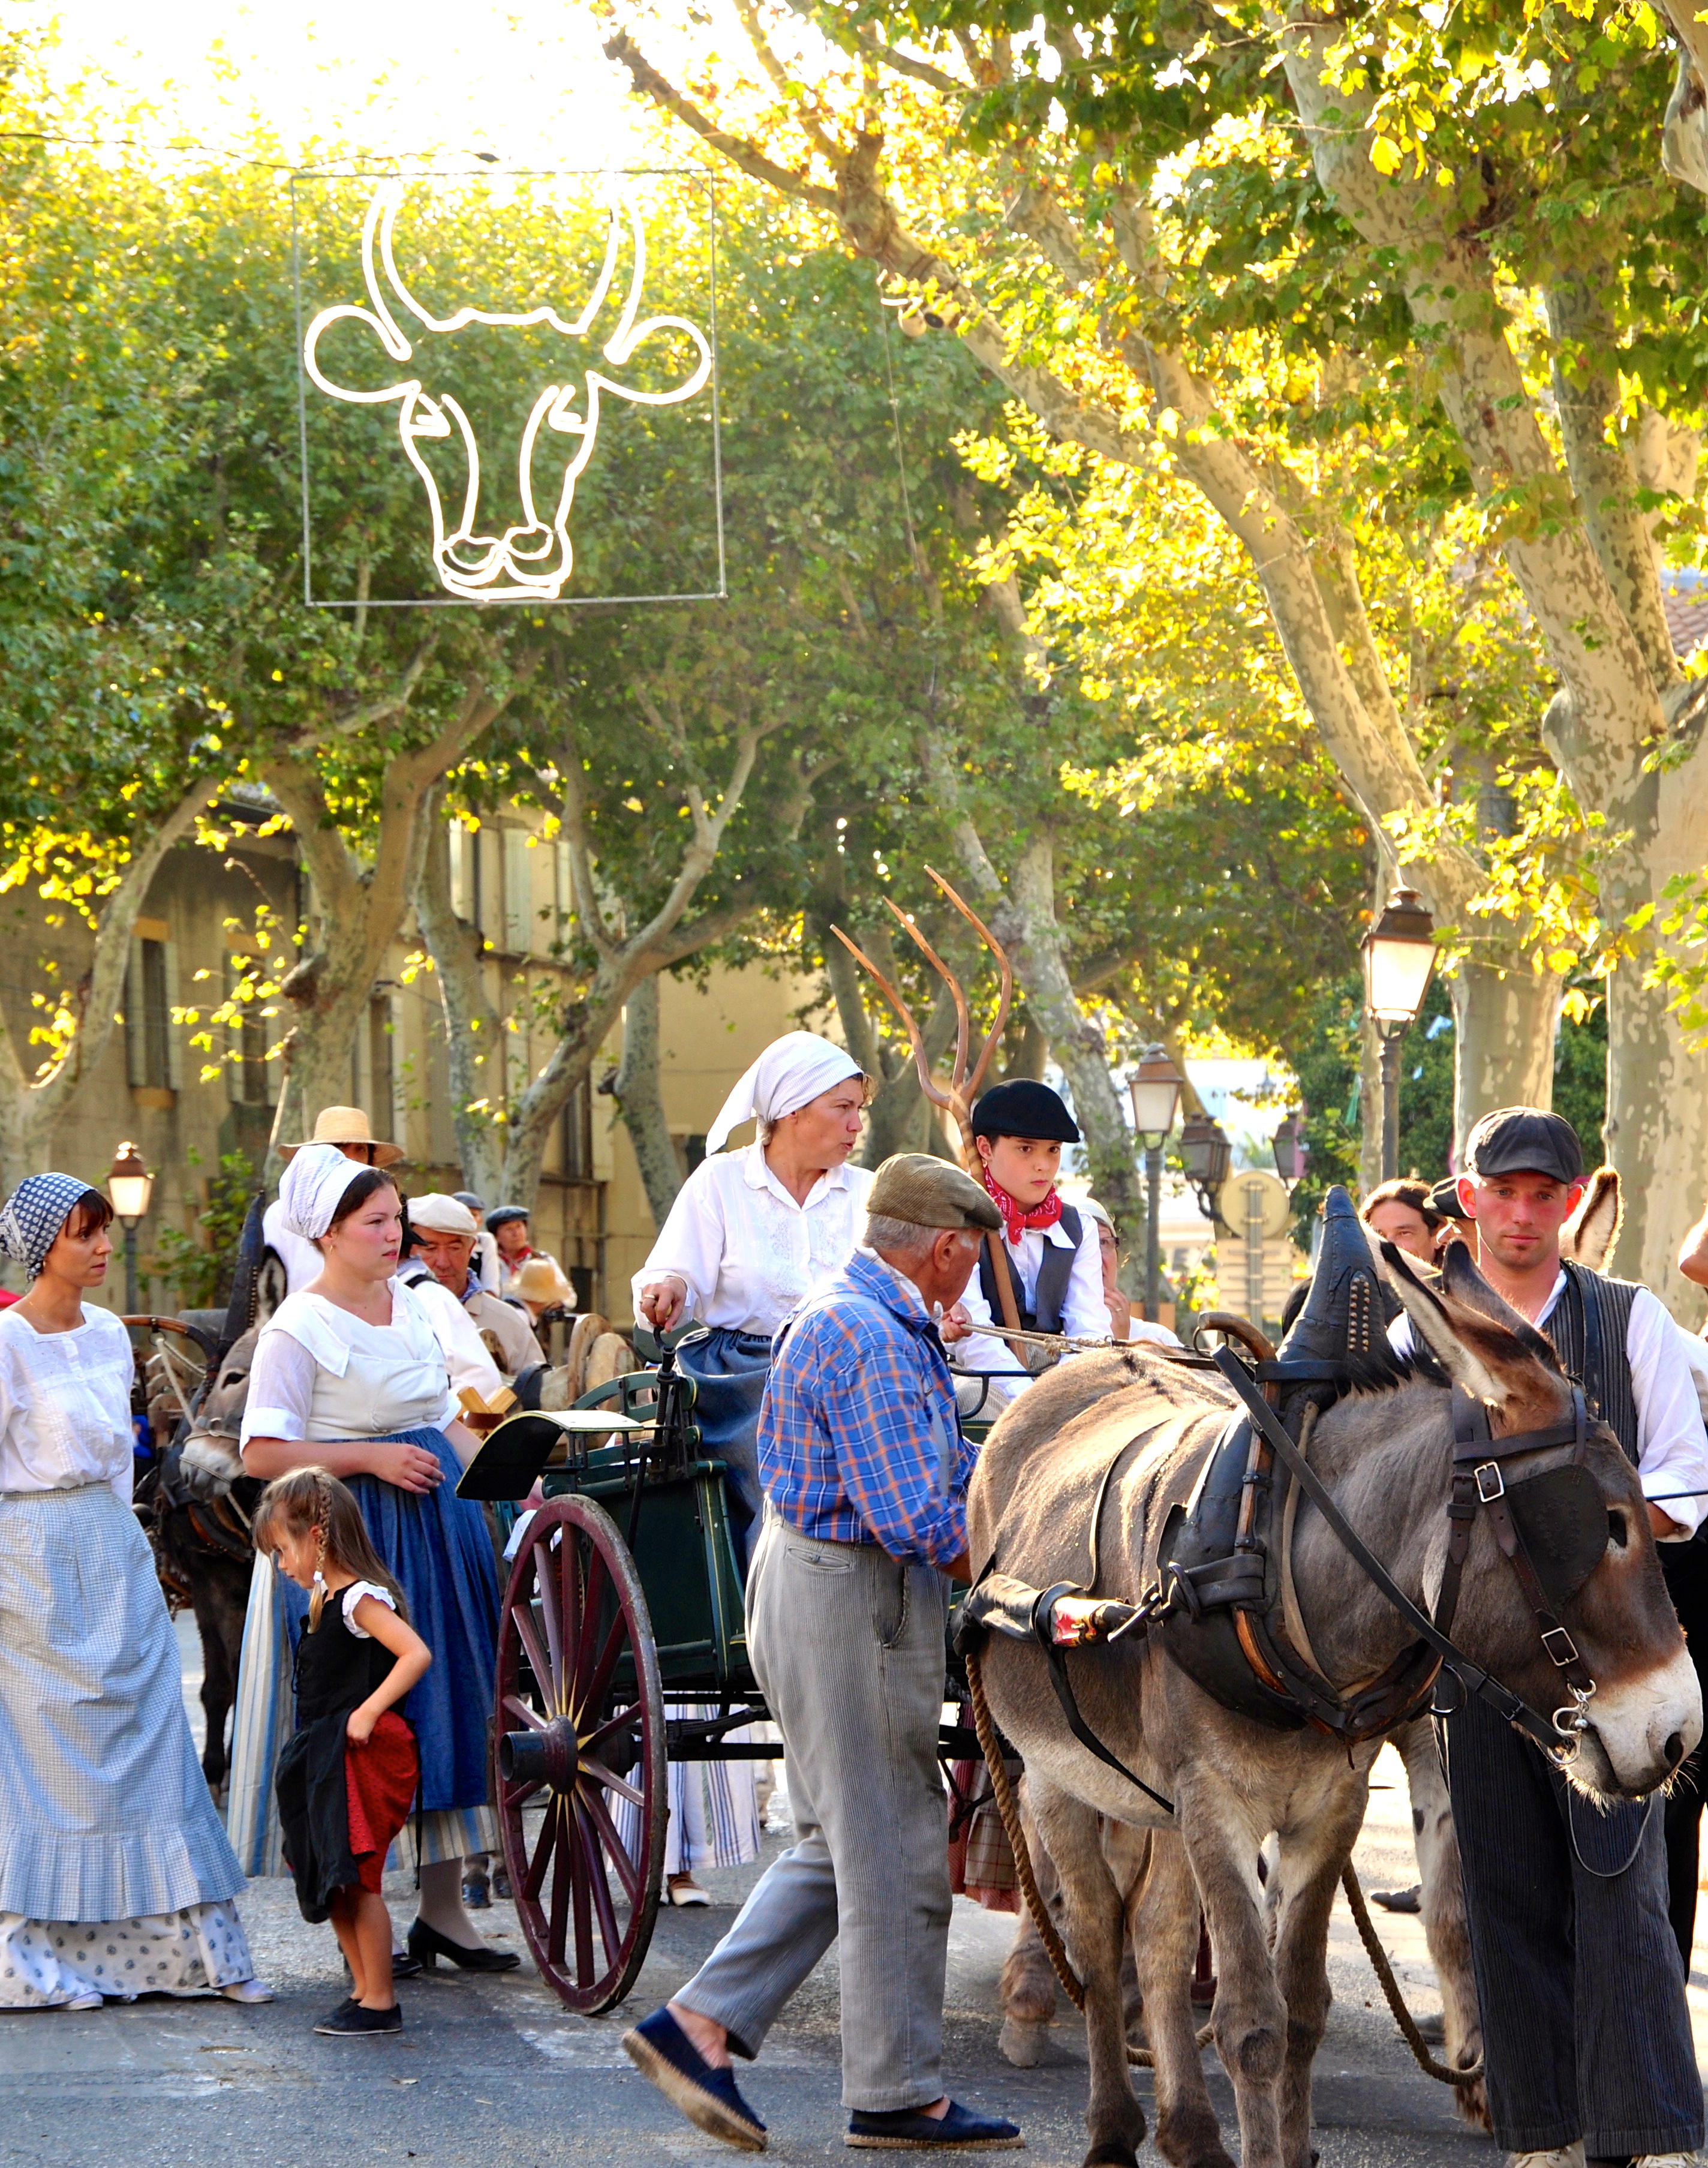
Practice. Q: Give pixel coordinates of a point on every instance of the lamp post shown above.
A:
(1205, 1155)
(1155, 1085)
(129, 1186)
(1399, 955)
(1292, 1155)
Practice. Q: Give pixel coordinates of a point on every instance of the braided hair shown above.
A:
(313, 1498)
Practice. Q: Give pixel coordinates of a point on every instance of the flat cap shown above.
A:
(502, 1215)
(436, 1213)
(1525, 1141)
(929, 1192)
(1023, 1108)
(1443, 1198)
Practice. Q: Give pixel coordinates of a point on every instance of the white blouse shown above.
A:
(747, 1250)
(65, 1404)
(322, 1375)
(1084, 1314)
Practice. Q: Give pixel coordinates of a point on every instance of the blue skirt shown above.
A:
(729, 1369)
(436, 1546)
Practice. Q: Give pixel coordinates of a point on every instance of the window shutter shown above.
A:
(518, 892)
(136, 1028)
(170, 1034)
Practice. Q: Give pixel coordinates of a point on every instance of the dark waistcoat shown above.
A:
(1053, 1274)
(1587, 1328)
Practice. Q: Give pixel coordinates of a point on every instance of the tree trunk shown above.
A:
(1503, 1027)
(641, 1104)
(474, 1029)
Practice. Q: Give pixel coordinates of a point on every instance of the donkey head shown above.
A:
(529, 558)
(1647, 1712)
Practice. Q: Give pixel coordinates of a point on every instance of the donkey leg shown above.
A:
(1310, 1863)
(1094, 1928)
(1444, 1909)
(1249, 2017)
(1163, 1926)
(1027, 1988)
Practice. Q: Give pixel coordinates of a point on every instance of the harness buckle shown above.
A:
(1491, 1484)
(1558, 1634)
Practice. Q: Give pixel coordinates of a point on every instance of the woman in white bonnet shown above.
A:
(751, 1233)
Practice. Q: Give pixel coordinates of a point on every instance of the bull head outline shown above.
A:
(534, 558)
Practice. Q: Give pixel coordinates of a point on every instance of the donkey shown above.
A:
(1383, 1449)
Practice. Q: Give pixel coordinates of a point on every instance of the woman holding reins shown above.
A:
(751, 1233)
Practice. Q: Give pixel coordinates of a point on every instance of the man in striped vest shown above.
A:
(1577, 1973)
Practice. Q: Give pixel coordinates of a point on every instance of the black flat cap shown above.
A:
(1525, 1141)
(1021, 1108)
(502, 1216)
(1443, 1198)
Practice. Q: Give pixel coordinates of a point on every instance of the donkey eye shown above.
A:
(1618, 1531)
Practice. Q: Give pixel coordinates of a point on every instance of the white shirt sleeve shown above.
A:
(1084, 1314)
(466, 1359)
(690, 1243)
(281, 1390)
(1671, 1445)
(351, 1597)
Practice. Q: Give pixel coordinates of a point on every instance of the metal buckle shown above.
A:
(1559, 1634)
(1571, 1724)
(1491, 1484)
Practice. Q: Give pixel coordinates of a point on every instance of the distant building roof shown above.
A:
(1685, 598)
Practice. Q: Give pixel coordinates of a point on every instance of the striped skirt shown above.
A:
(714, 1808)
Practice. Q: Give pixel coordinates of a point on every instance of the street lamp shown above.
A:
(1205, 1155)
(1155, 1085)
(1399, 955)
(129, 1186)
(1292, 1155)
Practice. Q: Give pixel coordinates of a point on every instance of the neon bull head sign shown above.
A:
(531, 559)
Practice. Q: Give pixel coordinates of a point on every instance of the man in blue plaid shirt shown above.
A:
(865, 1473)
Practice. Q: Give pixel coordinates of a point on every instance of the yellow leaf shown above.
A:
(1385, 155)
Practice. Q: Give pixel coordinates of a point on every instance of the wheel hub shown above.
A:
(550, 1756)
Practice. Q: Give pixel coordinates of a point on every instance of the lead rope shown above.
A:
(1008, 1807)
(1390, 1987)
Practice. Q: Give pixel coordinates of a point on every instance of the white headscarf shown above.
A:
(312, 1187)
(791, 1070)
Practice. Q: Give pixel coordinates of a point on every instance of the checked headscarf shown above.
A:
(34, 1213)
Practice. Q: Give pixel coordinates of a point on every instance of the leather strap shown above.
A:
(1055, 1662)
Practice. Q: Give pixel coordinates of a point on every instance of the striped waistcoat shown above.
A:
(1587, 1328)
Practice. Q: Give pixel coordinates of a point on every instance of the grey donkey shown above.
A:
(1383, 1448)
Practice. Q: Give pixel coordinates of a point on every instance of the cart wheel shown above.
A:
(580, 1726)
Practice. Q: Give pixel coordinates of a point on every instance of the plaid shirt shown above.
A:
(859, 1437)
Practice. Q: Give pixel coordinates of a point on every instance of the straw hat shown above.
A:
(540, 1281)
(346, 1125)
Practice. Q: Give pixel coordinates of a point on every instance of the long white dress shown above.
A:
(115, 1875)
(749, 1253)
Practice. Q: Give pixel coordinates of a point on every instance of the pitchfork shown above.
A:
(964, 1087)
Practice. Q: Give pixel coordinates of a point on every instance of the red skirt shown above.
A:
(379, 1782)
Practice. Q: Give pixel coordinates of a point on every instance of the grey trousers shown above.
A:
(1577, 1973)
(847, 1644)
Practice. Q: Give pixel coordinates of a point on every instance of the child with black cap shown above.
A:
(1049, 1250)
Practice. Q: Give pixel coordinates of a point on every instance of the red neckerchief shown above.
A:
(1016, 1218)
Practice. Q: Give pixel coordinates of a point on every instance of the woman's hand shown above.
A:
(663, 1301)
(407, 1467)
(359, 1728)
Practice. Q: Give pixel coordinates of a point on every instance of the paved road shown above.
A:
(496, 2075)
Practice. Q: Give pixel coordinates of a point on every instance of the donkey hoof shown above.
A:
(1022, 2043)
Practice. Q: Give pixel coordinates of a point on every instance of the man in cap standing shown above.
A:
(1577, 1973)
(865, 1475)
(445, 1235)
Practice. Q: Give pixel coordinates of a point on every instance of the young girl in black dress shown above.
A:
(347, 1775)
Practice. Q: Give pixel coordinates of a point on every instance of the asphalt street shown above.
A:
(496, 2074)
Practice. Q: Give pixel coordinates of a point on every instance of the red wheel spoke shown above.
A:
(573, 1886)
(518, 1707)
(627, 1874)
(600, 1775)
(547, 1674)
(599, 1888)
(517, 1796)
(545, 1567)
(592, 1597)
(542, 1859)
(626, 1719)
(592, 1695)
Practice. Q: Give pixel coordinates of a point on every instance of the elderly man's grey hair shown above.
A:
(904, 1238)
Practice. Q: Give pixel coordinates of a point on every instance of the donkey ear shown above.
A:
(1466, 1285)
(1439, 1332)
(1588, 1237)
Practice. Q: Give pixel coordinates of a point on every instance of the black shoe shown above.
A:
(477, 1893)
(1399, 1900)
(404, 1966)
(911, 2127)
(500, 1883)
(662, 2052)
(428, 1945)
(350, 2021)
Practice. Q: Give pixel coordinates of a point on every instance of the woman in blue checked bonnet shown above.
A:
(115, 1875)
